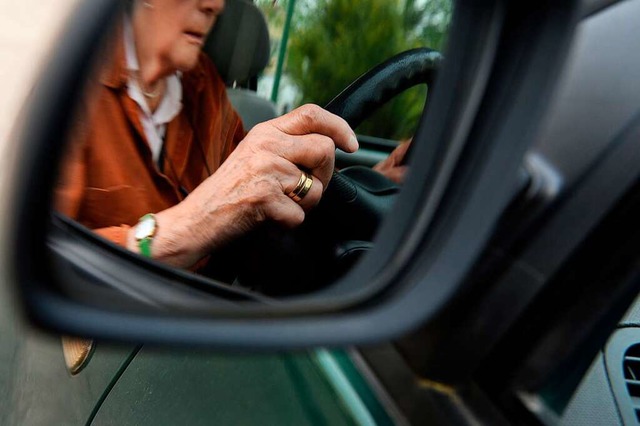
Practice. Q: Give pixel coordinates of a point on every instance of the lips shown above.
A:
(195, 37)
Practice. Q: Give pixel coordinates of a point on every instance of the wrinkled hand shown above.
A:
(392, 166)
(252, 185)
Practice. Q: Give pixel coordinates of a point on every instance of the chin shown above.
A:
(186, 62)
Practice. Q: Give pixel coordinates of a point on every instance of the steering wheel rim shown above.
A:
(383, 82)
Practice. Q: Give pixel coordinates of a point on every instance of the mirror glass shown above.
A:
(200, 144)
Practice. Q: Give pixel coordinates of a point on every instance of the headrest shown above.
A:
(239, 43)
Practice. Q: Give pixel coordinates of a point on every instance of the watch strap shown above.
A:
(144, 245)
(145, 240)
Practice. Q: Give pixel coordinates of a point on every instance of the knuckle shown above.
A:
(260, 143)
(328, 148)
(310, 113)
(321, 152)
(326, 153)
(260, 128)
(260, 137)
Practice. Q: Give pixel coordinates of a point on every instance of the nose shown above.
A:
(211, 7)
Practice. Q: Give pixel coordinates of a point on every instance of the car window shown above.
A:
(329, 43)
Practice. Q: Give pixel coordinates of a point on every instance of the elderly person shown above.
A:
(161, 164)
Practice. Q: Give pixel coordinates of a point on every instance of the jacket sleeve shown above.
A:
(72, 175)
(70, 188)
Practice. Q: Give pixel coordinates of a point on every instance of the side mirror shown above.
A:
(424, 252)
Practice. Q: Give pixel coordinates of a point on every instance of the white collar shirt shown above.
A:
(153, 123)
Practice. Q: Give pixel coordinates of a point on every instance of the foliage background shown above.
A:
(332, 42)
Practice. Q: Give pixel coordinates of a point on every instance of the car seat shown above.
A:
(239, 47)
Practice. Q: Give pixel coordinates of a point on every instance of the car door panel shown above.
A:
(42, 390)
(173, 387)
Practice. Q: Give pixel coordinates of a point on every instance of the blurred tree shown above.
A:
(274, 12)
(333, 42)
(429, 21)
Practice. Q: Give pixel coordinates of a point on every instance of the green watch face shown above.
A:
(145, 228)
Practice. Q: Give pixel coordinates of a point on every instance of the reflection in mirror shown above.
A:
(175, 154)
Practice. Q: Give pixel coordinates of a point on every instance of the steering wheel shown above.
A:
(340, 229)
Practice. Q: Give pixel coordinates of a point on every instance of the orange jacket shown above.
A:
(109, 180)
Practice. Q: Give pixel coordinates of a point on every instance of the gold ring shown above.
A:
(302, 188)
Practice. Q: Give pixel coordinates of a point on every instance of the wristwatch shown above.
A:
(144, 232)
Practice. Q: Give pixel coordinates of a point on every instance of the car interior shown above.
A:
(342, 228)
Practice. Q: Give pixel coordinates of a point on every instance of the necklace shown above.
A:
(150, 95)
(147, 94)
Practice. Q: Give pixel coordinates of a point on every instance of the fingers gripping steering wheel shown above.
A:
(341, 227)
